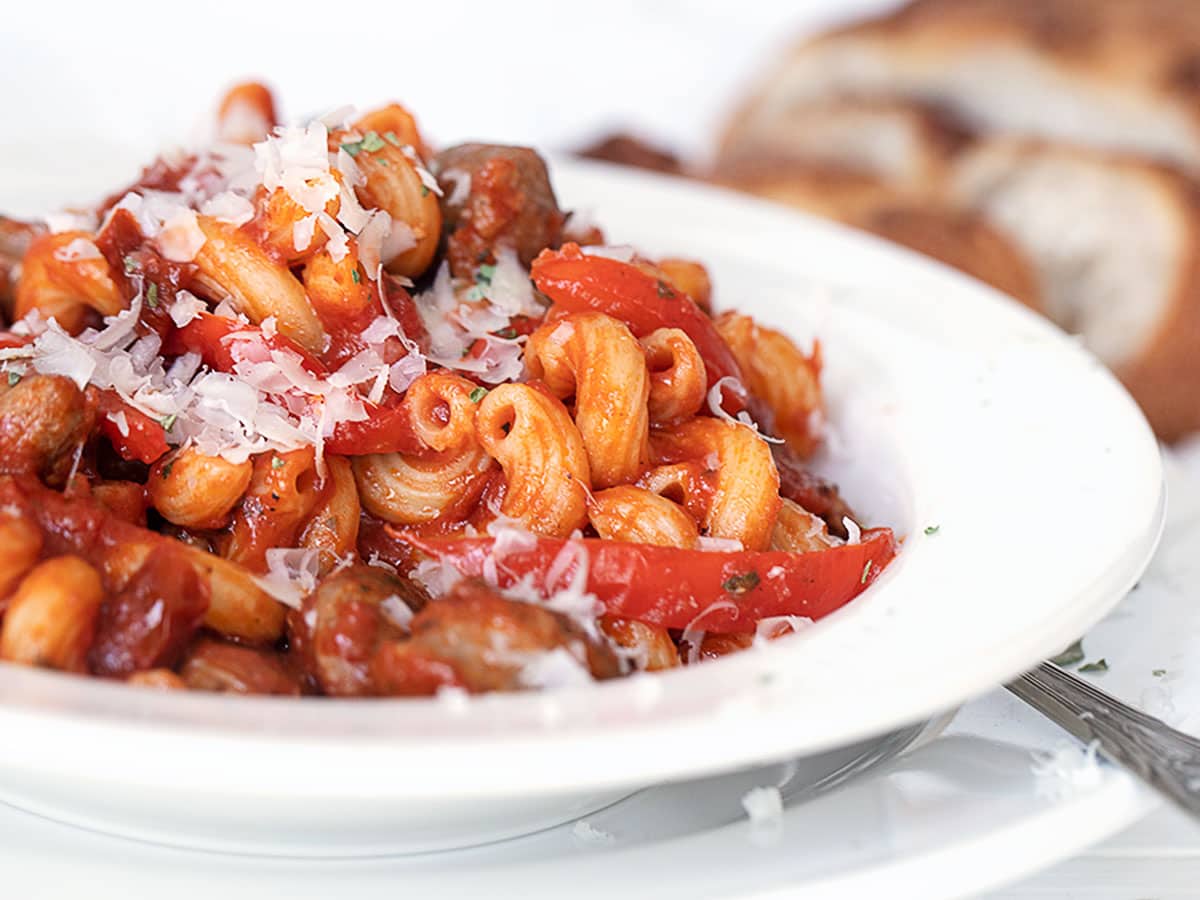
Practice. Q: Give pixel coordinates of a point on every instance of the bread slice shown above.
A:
(1115, 243)
(1116, 74)
(959, 238)
(833, 192)
(902, 143)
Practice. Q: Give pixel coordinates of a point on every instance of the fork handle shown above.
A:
(1161, 756)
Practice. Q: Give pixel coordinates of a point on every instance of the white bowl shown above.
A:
(951, 407)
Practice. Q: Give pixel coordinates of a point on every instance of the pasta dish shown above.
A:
(318, 410)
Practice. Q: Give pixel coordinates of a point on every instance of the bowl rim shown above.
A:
(747, 708)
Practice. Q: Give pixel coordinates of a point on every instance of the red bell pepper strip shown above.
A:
(206, 335)
(146, 439)
(680, 588)
(387, 429)
(578, 282)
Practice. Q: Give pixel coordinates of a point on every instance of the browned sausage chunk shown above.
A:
(43, 421)
(509, 203)
(149, 624)
(217, 666)
(477, 639)
(337, 629)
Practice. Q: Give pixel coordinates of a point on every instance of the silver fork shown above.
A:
(1163, 757)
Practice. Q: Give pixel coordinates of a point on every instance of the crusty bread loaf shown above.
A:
(1115, 242)
(830, 191)
(902, 143)
(1119, 74)
(959, 238)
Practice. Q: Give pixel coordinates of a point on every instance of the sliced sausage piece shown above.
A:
(338, 627)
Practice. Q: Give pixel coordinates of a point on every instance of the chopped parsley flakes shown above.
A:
(13, 378)
(742, 584)
(357, 278)
(168, 422)
(1100, 665)
(1070, 656)
(391, 138)
(866, 572)
(372, 141)
(478, 394)
(152, 296)
(932, 529)
(484, 273)
(277, 463)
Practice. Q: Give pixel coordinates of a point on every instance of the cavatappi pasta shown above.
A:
(318, 410)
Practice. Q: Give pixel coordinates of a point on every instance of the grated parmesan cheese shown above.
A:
(1067, 770)
(77, 250)
(396, 611)
(853, 532)
(291, 574)
(118, 418)
(229, 207)
(719, 545)
(180, 238)
(588, 834)
(693, 636)
(716, 402)
(187, 306)
(773, 627)
(764, 807)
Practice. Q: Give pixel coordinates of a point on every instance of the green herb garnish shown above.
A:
(424, 190)
(478, 394)
(484, 274)
(357, 278)
(130, 264)
(742, 584)
(866, 572)
(353, 147)
(1100, 665)
(1159, 673)
(932, 529)
(13, 378)
(166, 472)
(277, 463)
(372, 141)
(391, 137)
(168, 422)
(152, 296)
(508, 333)
(1070, 656)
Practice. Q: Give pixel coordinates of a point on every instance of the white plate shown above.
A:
(963, 813)
(951, 406)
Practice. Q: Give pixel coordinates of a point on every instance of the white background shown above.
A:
(91, 88)
(520, 71)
